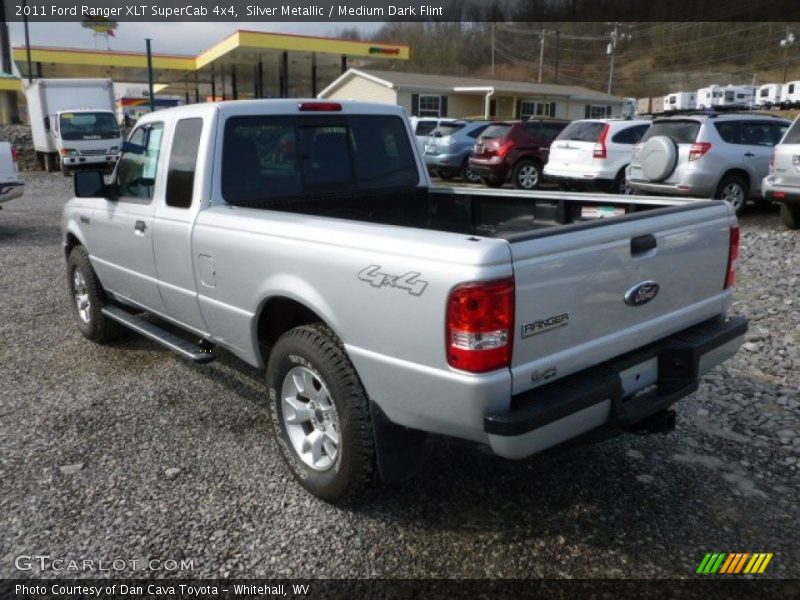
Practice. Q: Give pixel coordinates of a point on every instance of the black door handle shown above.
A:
(140, 226)
(642, 244)
(749, 154)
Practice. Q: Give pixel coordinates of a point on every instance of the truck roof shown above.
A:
(279, 106)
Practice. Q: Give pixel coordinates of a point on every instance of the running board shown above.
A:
(159, 335)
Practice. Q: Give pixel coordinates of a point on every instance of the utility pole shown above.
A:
(558, 51)
(611, 50)
(27, 39)
(786, 43)
(541, 54)
(492, 50)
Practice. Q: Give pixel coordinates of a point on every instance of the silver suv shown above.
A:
(783, 182)
(706, 156)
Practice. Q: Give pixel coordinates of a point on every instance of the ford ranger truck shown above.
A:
(305, 238)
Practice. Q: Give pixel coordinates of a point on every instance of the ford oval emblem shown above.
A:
(641, 293)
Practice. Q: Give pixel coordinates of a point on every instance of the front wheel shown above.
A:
(527, 175)
(320, 414)
(790, 215)
(87, 298)
(733, 190)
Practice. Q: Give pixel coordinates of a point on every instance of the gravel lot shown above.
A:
(127, 452)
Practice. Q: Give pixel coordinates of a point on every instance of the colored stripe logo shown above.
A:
(734, 563)
(379, 50)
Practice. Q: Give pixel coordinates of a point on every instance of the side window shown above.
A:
(477, 131)
(757, 134)
(183, 162)
(778, 129)
(630, 135)
(729, 131)
(793, 137)
(136, 172)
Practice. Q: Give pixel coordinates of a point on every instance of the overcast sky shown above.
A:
(180, 38)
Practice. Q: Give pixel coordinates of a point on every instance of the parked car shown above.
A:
(423, 126)
(10, 185)
(783, 182)
(447, 149)
(706, 156)
(593, 153)
(382, 308)
(518, 149)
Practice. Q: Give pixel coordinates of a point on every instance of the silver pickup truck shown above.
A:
(305, 238)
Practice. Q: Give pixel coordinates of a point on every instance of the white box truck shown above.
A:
(73, 123)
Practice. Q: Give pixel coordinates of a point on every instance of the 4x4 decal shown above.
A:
(409, 282)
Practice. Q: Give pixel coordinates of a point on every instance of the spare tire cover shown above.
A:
(658, 157)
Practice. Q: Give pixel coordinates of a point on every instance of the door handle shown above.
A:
(140, 227)
(643, 244)
(749, 154)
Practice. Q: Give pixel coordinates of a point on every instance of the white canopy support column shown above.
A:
(487, 100)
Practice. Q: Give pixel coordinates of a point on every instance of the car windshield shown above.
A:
(88, 126)
(496, 131)
(447, 129)
(679, 131)
(581, 131)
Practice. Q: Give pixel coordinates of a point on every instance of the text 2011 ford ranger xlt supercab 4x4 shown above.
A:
(304, 237)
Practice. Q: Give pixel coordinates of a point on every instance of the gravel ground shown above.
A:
(125, 451)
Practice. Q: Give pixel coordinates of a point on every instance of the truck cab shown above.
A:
(86, 138)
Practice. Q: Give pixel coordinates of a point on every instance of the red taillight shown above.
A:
(14, 153)
(320, 106)
(600, 145)
(480, 325)
(699, 149)
(504, 148)
(733, 257)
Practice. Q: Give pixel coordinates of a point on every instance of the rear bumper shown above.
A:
(497, 170)
(689, 180)
(593, 182)
(595, 398)
(775, 193)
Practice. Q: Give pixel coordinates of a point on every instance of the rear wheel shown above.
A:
(320, 414)
(527, 175)
(790, 215)
(468, 175)
(620, 185)
(733, 190)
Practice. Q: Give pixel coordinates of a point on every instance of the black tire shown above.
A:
(353, 470)
(790, 215)
(727, 183)
(96, 327)
(527, 175)
(468, 175)
(492, 182)
(620, 185)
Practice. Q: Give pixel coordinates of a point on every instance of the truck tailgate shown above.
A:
(571, 285)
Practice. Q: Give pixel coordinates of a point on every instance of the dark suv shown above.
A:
(518, 148)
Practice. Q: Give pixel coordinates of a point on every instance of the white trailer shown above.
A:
(769, 95)
(737, 96)
(790, 95)
(708, 97)
(73, 123)
(680, 101)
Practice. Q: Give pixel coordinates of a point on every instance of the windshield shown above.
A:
(88, 126)
(680, 132)
(581, 131)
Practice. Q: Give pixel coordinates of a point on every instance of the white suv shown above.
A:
(783, 182)
(593, 153)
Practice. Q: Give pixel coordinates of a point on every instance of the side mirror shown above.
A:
(47, 123)
(129, 148)
(90, 184)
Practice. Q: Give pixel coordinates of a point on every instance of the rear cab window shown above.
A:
(183, 162)
(495, 131)
(266, 157)
(680, 131)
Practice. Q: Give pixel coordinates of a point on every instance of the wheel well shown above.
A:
(744, 175)
(530, 158)
(279, 315)
(72, 241)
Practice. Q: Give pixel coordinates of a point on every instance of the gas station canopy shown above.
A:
(246, 64)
